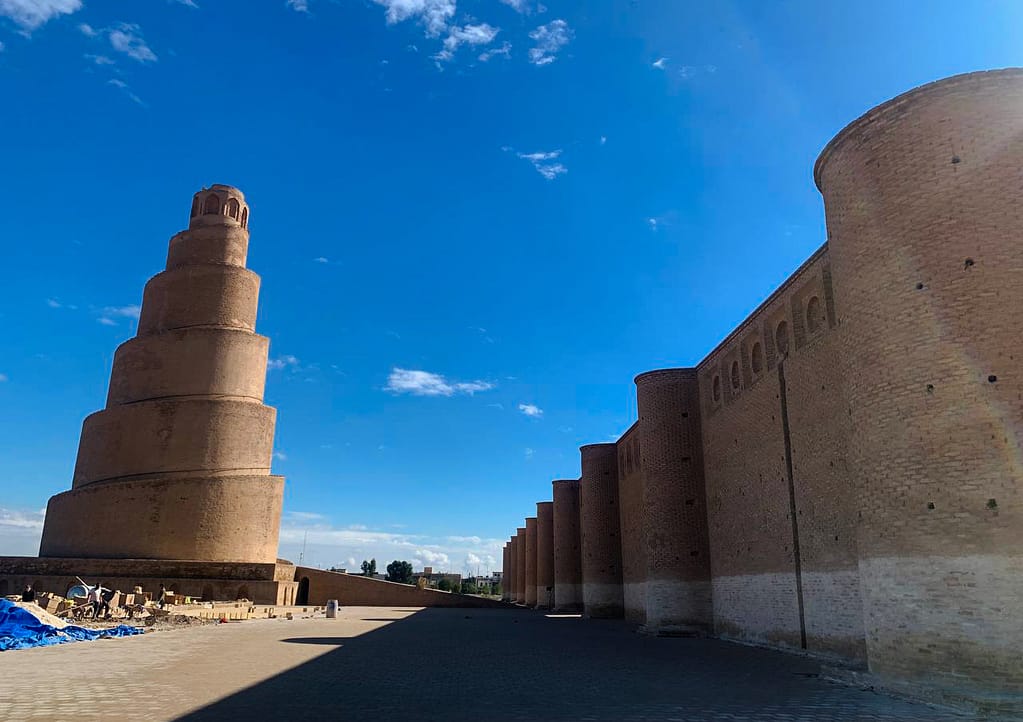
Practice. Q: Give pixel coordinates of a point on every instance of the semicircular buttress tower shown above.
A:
(177, 466)
(922, 196)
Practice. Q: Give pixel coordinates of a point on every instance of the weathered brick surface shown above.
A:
(601, 537)
(358, 591)
(632, 520)
(922, 202)
(860, 435)
(505, 566)
(568, 571)
(545, 554)
(531, 561)
(520, 565)
(678, 592)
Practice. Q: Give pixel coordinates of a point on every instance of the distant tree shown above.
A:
(369, 568)
(469, 587)
(400, 572)
(444, 585)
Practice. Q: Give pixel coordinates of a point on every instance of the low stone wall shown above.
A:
(358, 591)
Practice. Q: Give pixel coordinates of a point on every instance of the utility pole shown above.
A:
(301, 556)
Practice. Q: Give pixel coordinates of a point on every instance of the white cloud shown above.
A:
(531, 410)
(481, 34)
(31, 14)
(519, 6)
(321, 259)
(127, 91)
(433, 14)
(424, 383)
(127, 38)
(546, 163)
(99, 59)
(652, 222)
(603, 139)
(328, 545)
(20, 531)
(88, 30)
(53, 303)
(280, 456)
(189, 3)
(503, 50)
(107, 321)
(4, 378)
(299, 6)
(529, 453)
(123, 311)
(428, 556)
(283, 362)
(660, 63)
(549, 39)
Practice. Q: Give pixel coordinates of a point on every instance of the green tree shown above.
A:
(369, 568)
(469, 587)
(444, 585)
(400, 572)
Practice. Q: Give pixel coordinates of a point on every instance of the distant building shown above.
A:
(433, 579)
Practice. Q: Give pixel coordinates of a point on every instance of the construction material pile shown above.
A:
(24, 625)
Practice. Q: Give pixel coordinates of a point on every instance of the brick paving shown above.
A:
(436, 664)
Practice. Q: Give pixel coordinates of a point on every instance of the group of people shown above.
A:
(98, 599)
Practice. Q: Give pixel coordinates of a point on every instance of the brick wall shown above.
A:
(568, 573)
(632, 518)
(601, 536)
(358, 591)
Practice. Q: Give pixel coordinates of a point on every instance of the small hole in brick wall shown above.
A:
(992, 378)
(690, 502)
(685, 414)
(919, 286)
(955, 160)
(992, 504)
(930, 505)
(694, 553)
(930, 388)
(968, 263)
(831, 464)
(822, 387)
(685, 459)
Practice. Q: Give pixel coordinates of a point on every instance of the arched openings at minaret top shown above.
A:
(212, 205)
(245, 217)
(232, 207)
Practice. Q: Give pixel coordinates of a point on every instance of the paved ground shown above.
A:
(435, 664)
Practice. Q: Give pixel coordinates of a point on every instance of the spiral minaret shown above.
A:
(177, 466)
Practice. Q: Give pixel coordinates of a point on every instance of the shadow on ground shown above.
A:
(454, 664)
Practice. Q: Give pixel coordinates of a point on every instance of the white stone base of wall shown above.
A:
(568, 597)
(635, 601)
(757, 607)
(678, 606)
(954, 623)
(603, 600)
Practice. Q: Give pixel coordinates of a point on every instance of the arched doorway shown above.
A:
(303, 592)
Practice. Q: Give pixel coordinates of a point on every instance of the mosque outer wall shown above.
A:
(861, 433)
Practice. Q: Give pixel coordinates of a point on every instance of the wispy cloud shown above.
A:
(127, 38)
(189, 3)
(321, 259)
(106, 321)
(549, 39)
(529, 453)
(32, 14)
(282, 362)
(299, 6)
(4, 378)
(519, 6)
(123, 311)
(127, 91)
(425, 383)
(546, 163)
(481, 34)
(432, 14)
(504, 50)
(20, 531)
(280, 456)
(531, 410)
(687, 72)
(88, 30)
(660, 63)
(99, 59)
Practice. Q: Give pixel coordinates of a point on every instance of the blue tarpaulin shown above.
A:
(20, 630)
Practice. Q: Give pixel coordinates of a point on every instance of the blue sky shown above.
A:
(475, 221)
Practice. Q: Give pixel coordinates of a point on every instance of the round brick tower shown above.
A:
(603, 595)
(922, 197)
(678, 590)
(568, 570)
(531, 561)
(520, 565)
(511, 576)
(504, 573)
(177, 466)
(544, 554)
